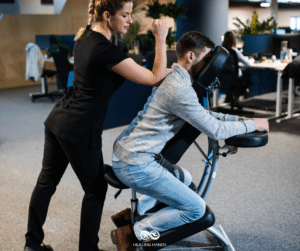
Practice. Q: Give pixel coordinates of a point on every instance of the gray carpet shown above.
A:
(255, 196)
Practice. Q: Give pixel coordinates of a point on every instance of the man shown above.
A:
(136, 154)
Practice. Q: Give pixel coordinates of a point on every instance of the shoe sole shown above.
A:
(113, 237)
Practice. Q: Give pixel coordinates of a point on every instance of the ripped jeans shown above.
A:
(160, 181)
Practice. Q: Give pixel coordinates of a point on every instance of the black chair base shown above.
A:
(174, 235)
(45, 94)
(51, 95)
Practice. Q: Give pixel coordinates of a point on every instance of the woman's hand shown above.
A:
(159, 29)
(262, 125)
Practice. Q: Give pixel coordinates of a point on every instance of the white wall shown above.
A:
(285, 15)
(245, 13)
(35, 7)
(59, 5)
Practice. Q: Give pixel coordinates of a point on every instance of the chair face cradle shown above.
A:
(177, 146)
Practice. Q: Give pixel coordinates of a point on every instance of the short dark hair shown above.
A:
(193, 41)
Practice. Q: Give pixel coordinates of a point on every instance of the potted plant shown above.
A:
(131, 34)
(171, 9)
(255, 27)
(256, 35)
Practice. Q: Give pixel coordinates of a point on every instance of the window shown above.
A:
(295, 23)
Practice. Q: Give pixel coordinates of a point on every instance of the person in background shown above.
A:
(229, 42)
(74, 127)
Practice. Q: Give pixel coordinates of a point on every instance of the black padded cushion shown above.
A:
(213, 67)
(112, 179)
(254, 139)
(174, 235)
(177, 146)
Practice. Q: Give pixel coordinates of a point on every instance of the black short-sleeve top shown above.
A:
(83, 107)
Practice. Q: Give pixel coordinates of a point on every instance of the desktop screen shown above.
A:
(293, 43)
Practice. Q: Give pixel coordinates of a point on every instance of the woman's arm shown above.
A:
(129, 69)
(241, 57)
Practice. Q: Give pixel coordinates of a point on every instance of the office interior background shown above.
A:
(256, 193)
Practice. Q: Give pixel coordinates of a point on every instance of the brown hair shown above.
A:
(96, 10)
(229, 40)
(192, 41)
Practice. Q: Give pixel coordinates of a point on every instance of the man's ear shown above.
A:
(190, 57)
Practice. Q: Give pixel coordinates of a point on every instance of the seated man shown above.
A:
(136, 155)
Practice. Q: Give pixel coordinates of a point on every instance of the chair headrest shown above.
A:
(206, 77)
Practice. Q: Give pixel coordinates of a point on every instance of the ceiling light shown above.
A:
(264, 4)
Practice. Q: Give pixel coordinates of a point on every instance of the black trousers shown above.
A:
(88, 167)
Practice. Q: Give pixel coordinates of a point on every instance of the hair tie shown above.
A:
(88, 27)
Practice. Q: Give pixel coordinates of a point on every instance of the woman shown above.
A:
(74, 127)
(229, 42)
(233, 83)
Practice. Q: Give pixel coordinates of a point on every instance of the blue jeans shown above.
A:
(161, 181)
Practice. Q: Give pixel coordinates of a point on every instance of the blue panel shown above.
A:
(257, 44)
(42, 41)
(68, 40)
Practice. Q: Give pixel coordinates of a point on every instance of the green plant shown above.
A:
(137, 6)
(154, 9)
(132, 32)
(171, 38)
(173, 10)
(255, 26)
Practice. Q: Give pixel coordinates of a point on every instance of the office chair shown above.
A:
(35, 71)
(292, 70)
(232, 86)
(63, 66)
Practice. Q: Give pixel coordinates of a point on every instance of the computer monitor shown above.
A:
(293, 43)
(258, 45)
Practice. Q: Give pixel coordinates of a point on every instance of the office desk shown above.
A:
(279, 67)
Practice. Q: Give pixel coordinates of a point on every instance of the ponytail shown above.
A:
(91, 13)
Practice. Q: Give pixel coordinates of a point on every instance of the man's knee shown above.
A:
(195, 211)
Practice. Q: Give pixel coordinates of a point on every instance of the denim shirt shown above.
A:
(169, 106)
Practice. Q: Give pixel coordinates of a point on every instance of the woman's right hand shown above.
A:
(159, 29)
(262, 125)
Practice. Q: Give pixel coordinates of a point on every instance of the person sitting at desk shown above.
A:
(136, 153)
(229, 43)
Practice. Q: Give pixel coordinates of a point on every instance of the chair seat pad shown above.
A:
(176, 234)
(112, 179)
(254, 139)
